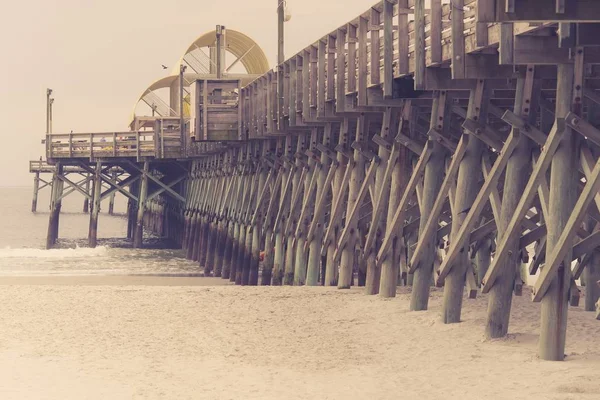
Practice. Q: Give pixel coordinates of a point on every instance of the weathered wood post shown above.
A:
(432, 180)
(563, 191)
(308, 201)
(36, 189)
(356, 178)
(111, 201)
(516, 176)
(387, 153)
(292, 211)
(86, 201)
(139, 227)
(388, 274)
(315, 242)
(54, 208)
(288, 170)
(467, 188)
(93, 231)
(269, 247)
(339, 192)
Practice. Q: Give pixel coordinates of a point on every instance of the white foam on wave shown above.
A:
(78, 252)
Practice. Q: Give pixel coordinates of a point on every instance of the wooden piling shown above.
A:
(52, 235)
(356, 179)
(467, 189)
(432, 180)
(553, 328)
(111, 199)
(138, 236)
(36, 189)
(86, 201)
(97, 187)
(517, 171)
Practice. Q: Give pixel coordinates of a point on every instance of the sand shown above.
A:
(133, 340)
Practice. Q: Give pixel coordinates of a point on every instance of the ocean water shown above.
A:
(23, 238)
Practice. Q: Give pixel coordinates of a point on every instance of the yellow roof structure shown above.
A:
(249, 53)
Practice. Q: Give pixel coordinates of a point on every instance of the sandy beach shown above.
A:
(163, 338)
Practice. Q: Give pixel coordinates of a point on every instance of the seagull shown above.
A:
(164, 66)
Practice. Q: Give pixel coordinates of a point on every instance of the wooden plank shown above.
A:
(539, 170)
(331, 54)
(435, 32)
(388, 48)
(473, 215)
(362, 61)
(403, 39)
(320, 80)
(458, 40)
(485, 12)
(419, 53)
(351, 39)
(340, 59)
(564, 243)
(375, 20)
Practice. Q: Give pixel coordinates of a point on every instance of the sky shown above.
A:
(99, 55)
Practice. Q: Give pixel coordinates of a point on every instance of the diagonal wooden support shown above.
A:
(524, 127)
(473, 215)
(565, 240)
(587, 163)
(158, 182)
(398, 219)
(121, 187)
(336, 211)
(305, 204)
(433, 217)
(538, 258)
(379, 199)
(495, 201)
(162, 189)
(320, 205)
(539, 171)
(76, 186)
(356, 207)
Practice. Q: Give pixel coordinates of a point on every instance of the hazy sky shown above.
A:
(99, 55)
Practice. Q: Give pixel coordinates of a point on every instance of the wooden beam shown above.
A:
(539, 171)
(480, 201)
(432, 219)
(565, 240)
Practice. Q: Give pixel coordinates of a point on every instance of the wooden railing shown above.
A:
(355, 65)
(165, 144)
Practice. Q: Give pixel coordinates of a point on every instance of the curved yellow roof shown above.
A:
(254, 60)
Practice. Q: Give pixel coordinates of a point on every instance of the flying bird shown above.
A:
(164, 66)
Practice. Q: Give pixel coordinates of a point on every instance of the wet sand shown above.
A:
(162, 338)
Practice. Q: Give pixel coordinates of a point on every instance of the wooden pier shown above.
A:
(454, 146)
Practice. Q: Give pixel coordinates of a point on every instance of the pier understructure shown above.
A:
(454, 146)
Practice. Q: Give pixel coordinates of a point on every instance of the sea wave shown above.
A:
(78, 252)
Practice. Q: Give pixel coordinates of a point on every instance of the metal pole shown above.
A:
(219, 52)
(182, 69)
(280, 20)
(48, 94)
